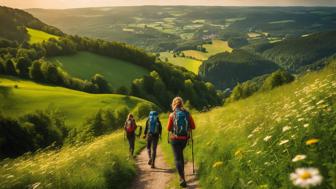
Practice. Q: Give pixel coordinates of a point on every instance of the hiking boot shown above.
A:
(183, 183)
(149, 162)
(152, 165)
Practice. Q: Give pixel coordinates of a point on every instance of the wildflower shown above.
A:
(300, 119)
(306, 177)
(36, 185)
(238, 153)
(259, 152)
(286, 128)
(217, 164)
(306, 125)
(299, 158)
(250, 136)
(267, 138)
(10, 176)
(312, 141)
(319, 102)
(283, 142)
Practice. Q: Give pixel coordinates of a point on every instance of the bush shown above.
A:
(276, 79)
(30, 132)
(142, 109)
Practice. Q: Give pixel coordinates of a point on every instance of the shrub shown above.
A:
(276, 79)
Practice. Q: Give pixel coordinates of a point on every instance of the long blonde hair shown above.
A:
(129, 116)
(177, 103)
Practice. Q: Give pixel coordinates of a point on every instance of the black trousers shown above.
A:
(152, 142)
(178, 147)
(131, 141)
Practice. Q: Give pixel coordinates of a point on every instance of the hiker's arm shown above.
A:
(192, 123)
(135, 125)
(160, 128)
(170, 123)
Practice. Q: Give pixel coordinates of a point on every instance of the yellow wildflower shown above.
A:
(217, 164)
(312, 141)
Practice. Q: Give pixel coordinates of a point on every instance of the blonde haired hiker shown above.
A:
(180, 124)
(130, 127)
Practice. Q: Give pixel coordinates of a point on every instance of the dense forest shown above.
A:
(225, 70)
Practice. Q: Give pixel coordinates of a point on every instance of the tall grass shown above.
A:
(251, 143)
(103, 163)
(37, 36)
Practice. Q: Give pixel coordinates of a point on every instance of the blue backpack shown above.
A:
(153, 122)
(181, 123)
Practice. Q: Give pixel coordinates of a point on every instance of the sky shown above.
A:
(63, 4)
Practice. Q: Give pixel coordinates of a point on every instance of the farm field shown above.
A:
(75, 105)
(188, 63)
(217, 46)
(85, 64)
(37, 36)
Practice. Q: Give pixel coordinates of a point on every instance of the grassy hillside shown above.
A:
(85, 64)
(217, 46)
(76, 106)
(253, 143)
(100, 164)
(188, 63)
(13, 23)
(37, 36)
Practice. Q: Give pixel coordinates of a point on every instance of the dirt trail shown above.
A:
(149, 178)
(161, 176)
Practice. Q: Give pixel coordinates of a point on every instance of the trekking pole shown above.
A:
(192, 152)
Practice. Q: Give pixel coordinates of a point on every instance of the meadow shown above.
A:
(27, 96)
(103, 163)
(265, 140)
(188, 63)
(85, 64)
(37, 36)
(217, 46)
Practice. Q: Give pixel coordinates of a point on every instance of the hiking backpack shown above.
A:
(181, 123)
(153, 122)
(130, 127)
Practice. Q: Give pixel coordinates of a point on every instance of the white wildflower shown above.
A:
(299, 158)
(267, 138)
(286, 128)
(306, 177)
(306, 125)
(300, 119)
(283, 142)
(319, 102)
(36, 185)
(250, 136)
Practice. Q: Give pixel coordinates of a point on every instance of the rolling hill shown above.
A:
(225, 70)
(85, 64)
(77, 106)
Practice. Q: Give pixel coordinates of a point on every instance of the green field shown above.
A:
(188, 63)
(103, 163)
(217, 46)
(252, 143)
(85, 64)
(75, 105)
(37, 36)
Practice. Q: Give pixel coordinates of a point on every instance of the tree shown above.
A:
(51, 74)
(10, 67)
(2, 66)
(36, 71)
(100, 81)
(23, 65)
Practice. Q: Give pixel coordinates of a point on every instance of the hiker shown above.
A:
(153, 132)
(130, 127)
(179, 128)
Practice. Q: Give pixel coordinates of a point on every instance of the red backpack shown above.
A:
(130, 126)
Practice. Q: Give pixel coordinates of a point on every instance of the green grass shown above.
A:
(188, 63)
(102, 163)
(251, 143)
(77, 106)
(85, 64)
(217, 46)
(37, 36)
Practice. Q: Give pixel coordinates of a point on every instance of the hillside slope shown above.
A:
(13, 23)
(255, 143)
(225, 70)
(75, 105)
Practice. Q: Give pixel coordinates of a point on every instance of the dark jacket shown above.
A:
(159, 128)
